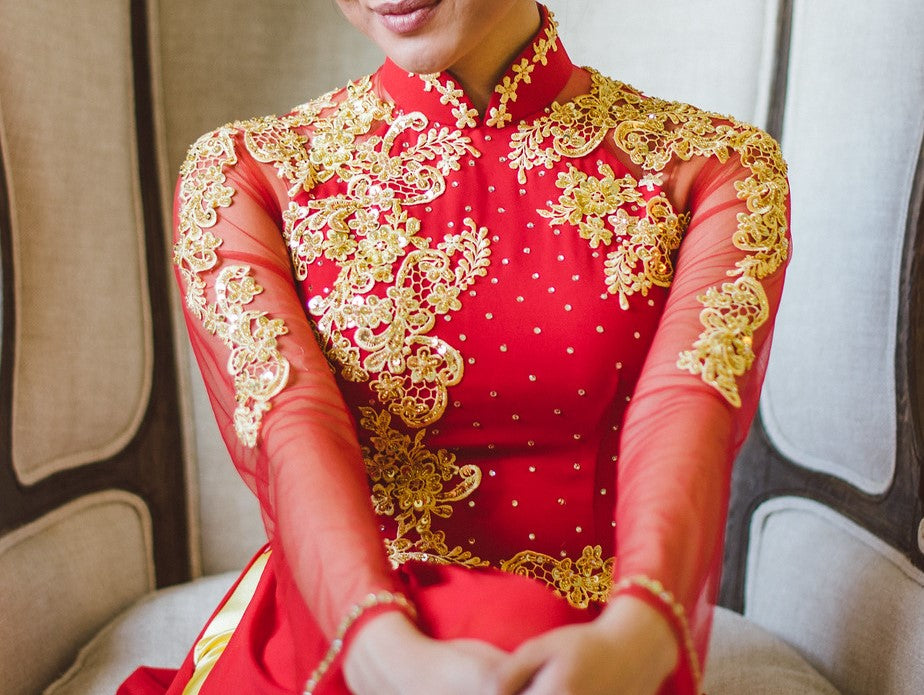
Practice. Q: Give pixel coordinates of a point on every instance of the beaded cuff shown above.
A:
(656, 589)
(371, 601)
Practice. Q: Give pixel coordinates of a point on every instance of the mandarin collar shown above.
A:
(531, 83)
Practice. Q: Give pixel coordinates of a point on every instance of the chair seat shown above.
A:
(160, 628)
(745, 659)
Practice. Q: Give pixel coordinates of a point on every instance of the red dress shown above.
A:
(534, 338)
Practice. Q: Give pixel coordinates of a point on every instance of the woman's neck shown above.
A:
(480, 70)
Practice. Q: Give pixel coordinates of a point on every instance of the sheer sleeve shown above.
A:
(698, 389)
(277, 403)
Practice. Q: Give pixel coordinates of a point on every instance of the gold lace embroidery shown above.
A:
(643, 258)
(573, 129)
(383, 338)
(587, 200)
(653, 132)
(465, 115)
(258, 368)
(522, 72)
(367, 230)
(723, 351)
(589, 578)
(597, 207)
(409, 483)
(499, 116)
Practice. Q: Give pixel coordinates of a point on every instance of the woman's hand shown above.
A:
(629, 649)
(390, 656)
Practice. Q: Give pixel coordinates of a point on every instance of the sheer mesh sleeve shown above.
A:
(277, 404)
(698, 391)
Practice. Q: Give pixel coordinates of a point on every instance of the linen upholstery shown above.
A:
(78, 259)
(63, 577)
(157, 631)
(846, 601)
(854, 123)
(747, 660)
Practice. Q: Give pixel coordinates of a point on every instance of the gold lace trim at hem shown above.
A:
(580, 582)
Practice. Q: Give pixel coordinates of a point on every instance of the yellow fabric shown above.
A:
(220, 629)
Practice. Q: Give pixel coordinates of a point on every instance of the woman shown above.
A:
(526, 307)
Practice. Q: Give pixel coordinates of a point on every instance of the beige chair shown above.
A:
(113, 482)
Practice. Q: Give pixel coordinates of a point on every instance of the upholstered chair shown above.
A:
(122, 521)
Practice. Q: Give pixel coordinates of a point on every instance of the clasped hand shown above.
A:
(629, 650)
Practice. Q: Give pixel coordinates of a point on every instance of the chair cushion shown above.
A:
(745, 658)
(160, 628)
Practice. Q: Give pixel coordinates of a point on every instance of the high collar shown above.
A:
(531, 83)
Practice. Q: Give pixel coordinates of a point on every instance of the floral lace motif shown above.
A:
(600, 208)
(366, 230)
(259, 370)
(653, 132)
(383, 338)
(499, 116)
(450, 94)
(589, 578)
(409, 483)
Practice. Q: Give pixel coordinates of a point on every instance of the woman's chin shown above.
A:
(421, 62)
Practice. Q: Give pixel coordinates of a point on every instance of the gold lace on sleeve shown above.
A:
(258, 369)
(652, 132)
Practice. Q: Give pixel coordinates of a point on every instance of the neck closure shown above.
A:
(530, 83)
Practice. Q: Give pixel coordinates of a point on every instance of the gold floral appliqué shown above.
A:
(413, 485)
(581, 581)
(258, 368)
(367, 230)
(597, 207)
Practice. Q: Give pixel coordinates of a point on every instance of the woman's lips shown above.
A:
(407, 16)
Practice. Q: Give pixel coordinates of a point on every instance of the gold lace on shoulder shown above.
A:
(581, 581)
(653, 132)
(258, 368)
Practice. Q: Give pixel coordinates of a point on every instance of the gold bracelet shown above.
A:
(656, 589)
(371, 601)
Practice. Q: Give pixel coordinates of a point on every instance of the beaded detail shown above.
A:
(657, 590)
(382, 598)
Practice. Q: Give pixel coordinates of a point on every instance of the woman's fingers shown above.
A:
(519, 669)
